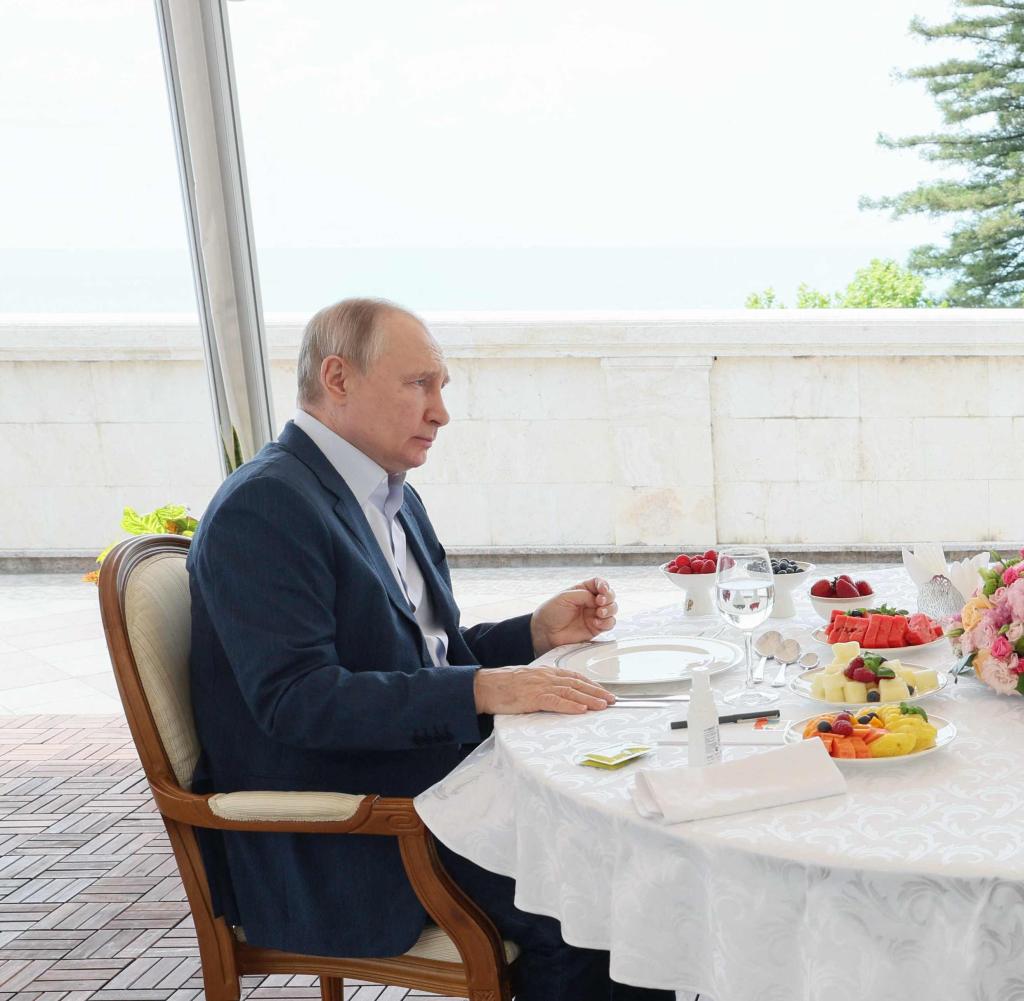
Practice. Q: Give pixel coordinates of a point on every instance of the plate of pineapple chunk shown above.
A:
(857, 676)
(874, 735)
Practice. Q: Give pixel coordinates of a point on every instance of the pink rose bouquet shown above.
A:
(988, 634)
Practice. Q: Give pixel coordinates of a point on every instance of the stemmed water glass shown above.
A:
(744, 595)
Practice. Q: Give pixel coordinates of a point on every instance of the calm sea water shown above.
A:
(154, 281)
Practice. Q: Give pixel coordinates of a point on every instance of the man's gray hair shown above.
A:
(350, 328)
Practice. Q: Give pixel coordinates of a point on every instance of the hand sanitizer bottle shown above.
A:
(703, 745)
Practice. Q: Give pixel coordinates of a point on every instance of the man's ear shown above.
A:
(335, 377)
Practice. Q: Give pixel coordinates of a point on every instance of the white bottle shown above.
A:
(702, 740)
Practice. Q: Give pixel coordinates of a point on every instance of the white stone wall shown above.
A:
(570, 430)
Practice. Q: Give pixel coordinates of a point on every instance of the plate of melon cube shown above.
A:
(857, 676)
(872, 735)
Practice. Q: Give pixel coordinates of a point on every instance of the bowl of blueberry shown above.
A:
(788, 575)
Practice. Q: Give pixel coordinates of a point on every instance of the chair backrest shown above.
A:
(144, 598)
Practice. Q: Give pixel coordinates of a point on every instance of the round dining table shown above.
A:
(908, 887)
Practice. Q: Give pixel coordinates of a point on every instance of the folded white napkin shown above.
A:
(929, 560)
(784, 775)
(964, 576)
(924, 562)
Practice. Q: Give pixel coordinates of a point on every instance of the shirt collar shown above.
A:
(367, 481)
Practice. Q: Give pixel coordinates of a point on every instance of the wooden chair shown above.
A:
(144, 600)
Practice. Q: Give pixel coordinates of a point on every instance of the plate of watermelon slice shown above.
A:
(884, 629)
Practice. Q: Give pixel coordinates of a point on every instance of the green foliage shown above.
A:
(809, 298)
(982, 100)
(763, 300)
(171, 519)
(885, 285)
(234, 458)
(879, 285)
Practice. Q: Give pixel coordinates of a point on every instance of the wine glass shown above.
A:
(744, 595)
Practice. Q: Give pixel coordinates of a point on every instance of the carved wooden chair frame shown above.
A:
(481, 976)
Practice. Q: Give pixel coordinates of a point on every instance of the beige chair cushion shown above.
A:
(284, 805)
(433, 943)
(157, 611)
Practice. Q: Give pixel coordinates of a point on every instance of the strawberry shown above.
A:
(863, 587)
(845, 588)
(682, 560)
(685, 568)
(711, 555)
(846, 577)
(822, 589)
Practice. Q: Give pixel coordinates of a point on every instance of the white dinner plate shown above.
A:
(889, 652)
(946, 734)
(801, 685)
(650, 660)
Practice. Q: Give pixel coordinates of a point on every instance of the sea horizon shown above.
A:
(297, 280)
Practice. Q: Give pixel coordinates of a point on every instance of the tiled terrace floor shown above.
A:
(91, 906)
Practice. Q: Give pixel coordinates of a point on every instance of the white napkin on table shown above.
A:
(789, 774)
(929, 560)
(964, 576)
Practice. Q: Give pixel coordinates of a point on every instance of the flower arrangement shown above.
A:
(988, 634)
(171, 519)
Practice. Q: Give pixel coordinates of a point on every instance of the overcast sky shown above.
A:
(476, 123)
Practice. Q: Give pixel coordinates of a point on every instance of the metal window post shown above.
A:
(204, 113)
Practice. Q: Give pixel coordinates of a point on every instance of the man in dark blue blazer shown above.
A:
(327, 655)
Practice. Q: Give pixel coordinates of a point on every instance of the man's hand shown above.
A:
(576, 615)
(536, 689)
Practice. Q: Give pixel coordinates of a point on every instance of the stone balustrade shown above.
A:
(603, 430)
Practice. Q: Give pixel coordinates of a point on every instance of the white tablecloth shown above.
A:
(910, 887)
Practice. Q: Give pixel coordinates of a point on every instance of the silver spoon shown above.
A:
(807, 661)
(788, 653)
(767, 644)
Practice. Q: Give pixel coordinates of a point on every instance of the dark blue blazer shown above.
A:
(309, 671)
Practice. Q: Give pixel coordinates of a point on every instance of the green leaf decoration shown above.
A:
(1018, 647)
(171, 519)
(171, 512)
(961, 666)
(909, 710)
(1020, 683)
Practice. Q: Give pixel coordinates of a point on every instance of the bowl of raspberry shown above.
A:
(841, 593)
(694, 573)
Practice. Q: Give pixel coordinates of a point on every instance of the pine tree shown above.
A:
(982, 100)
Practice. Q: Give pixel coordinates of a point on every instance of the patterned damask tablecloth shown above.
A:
(911, 886)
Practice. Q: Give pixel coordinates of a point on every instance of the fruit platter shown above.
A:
(857, 676)
(892, 630)
(873, 735)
